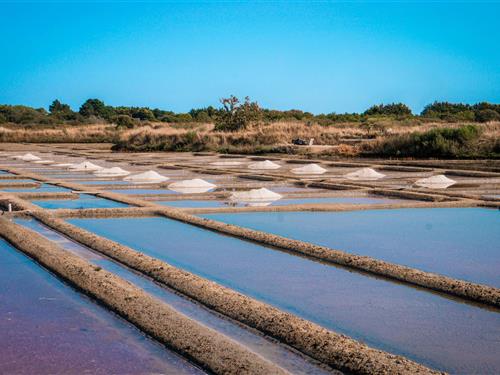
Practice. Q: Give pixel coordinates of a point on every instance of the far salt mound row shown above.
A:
(226, 163)
(364, 174)
(193, 186)
(43, 161)
(255, 197)
(309, 169)
(85, 166)
(111, 172)
(26, 157)
(149, 177)
(439, 181)
(267, 164)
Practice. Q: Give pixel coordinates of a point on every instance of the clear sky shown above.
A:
(326, 56)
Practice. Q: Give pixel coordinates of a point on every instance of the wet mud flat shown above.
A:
(48, 327)
(423, 326)
(463, 243)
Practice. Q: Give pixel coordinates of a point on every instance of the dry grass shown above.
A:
(62, 134)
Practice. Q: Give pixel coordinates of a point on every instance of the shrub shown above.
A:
(124, 121)
(235, 115)
(485, 115)
(394, 109)
(439, 142)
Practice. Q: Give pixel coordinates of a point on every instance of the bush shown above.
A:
(124, 121)
(235, 115)
(394, 109)
(439, 142)
(485, 115)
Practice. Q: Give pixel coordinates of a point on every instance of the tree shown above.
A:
(97, 108)
(61, 111)
(394, 109)
(124, 121)
(235, 115)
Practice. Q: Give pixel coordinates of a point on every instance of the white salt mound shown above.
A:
(193, 186)
(267, 164)
(27, 157)
(149, 177)
(364, 174)
(111, 172)
(439, 181)
(43, 161)
(85, 166)
(226, 163)
(309, 169)
(261, 194)
(63, 165)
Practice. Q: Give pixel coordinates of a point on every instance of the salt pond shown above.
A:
(460, 242)
(47, 327)
(44, 188)
(439, 332)
(84, 201)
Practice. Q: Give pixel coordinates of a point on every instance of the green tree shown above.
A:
(394, 109)
(235, 115)
(96, 108)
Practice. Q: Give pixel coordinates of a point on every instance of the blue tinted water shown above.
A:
(84, 201)
(44, 188)
(143, 191)
(460, 242)
(437, 331)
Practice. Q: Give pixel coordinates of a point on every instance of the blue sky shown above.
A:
(316, 56)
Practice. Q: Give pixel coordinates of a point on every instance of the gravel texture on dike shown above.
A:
(206, 347)
(337, 351)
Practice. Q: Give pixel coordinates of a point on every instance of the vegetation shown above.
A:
(462, 142)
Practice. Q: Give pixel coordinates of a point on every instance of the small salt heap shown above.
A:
(364, 174)
(27, 157)
(267, 164)
(63, 165)
(149, 177)
(111, 172)
(439, 181)
(309, 169)
(255, 197)
(85, 166)
(193, 186)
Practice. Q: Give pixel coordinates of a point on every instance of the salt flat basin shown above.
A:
(84, 201)
(44, 188)
(16, 181)
(48, 327)
(463, 243)
(282, 202)
(103, 182)
(269, 349)
(436, 331)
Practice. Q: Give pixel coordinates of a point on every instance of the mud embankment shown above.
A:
(337, 351)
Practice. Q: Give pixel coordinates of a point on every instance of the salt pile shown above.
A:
(193, 186)
(111, 172)
(267, 164)
(43, 161)
(255, 197)
(309, 169)
(364, 174)
(63, 165)
(85, 166)
(226, 163)
(149, 177)
(27, 157)
(439, 181)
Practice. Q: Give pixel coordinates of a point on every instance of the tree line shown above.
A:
(234, 114)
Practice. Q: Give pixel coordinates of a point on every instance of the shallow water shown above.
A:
(84, 201)
(143, 191)
(16, 181)
(103, 182)
(281, 202)
(44, 188)
(462, 243)
(47, 327)
(431, 329)
(271, 350)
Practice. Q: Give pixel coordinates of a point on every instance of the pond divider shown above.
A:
(335, 350)
(206, 347)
